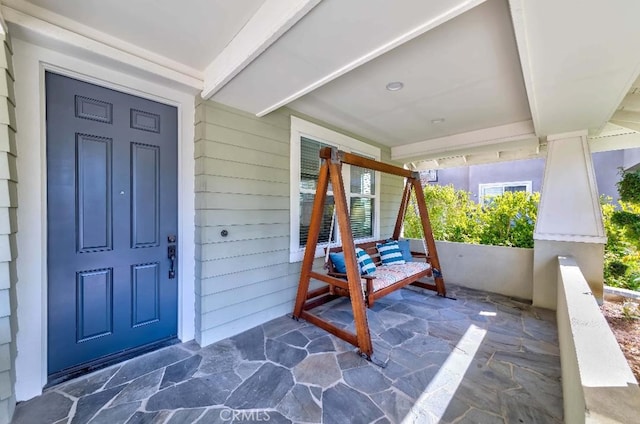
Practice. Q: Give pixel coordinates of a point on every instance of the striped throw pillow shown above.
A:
(365, 262)
(390, 253)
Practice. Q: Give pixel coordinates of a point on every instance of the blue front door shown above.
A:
(112, 218)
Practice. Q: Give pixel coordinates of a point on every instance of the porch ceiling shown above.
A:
(484, 80)
(164, 27)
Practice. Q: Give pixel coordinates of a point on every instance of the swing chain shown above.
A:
(416, 210)
(326, 256)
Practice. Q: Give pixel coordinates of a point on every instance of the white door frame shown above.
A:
(30, 64)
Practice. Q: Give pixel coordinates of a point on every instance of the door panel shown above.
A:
(93, 169)
(146, 285)
(111, 205)
(95, 301)
(145, 196)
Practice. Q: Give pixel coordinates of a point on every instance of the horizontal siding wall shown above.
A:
(8, 229)
(390, 196)
(242, 186)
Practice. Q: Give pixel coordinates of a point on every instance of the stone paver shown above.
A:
(116, 414)
(186, 416)
(49, 407)
(483, 358)
(263, 390)
(299, 405)
(87, 406)
(321, 369)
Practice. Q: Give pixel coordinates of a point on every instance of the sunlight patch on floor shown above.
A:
(436, 397)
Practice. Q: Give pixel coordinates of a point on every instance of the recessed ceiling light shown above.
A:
(437, 121)
(395, 86)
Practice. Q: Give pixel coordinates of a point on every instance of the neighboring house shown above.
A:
(527, 175)
(154, 181)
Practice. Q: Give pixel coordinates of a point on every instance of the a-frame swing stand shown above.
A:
(330, 172)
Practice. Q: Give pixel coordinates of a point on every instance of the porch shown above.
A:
(481, 358)
(485, 81)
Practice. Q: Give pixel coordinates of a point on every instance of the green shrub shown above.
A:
(622, 251)
(507, 220)
(615, 268)
(629, 186)
(630, 221)
(452, 214)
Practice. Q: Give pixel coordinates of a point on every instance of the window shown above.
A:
(488, 191)
(360, 185)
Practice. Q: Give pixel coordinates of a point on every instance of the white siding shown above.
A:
(242, 186)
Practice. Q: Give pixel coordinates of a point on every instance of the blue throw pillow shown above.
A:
(338, 262)
(364, 260)
(405, 248)
(390, 253)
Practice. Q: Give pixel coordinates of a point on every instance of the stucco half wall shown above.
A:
(495, 269)
(598, 385)
(589, 256)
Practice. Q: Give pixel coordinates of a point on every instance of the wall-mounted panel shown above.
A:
(95, 110)
(145, 195)
(145, 121)
(94, 304)
(145, 294)
(93, 193)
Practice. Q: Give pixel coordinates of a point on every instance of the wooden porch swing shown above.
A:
(330, 172)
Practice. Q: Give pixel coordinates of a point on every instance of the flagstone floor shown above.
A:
(482, 358)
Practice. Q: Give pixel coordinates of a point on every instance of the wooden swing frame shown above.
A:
(331, 172)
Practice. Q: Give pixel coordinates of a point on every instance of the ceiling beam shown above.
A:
(626, 116)
(614, 142)
(498, 150)
(519, 29)
(269, 23)
(573, 52)
(633, 126)
(378, 51)
(473, 141)
(4, 30)
(478, 159)
(631, 101)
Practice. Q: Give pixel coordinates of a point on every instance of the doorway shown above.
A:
(112, 225)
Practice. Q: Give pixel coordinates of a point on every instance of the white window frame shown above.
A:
(483, 187)
(301, 128)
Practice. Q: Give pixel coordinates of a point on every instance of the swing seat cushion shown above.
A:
(391, 274)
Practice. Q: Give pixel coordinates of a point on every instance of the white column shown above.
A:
(569, 218)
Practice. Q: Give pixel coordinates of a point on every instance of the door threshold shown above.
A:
(106, 361)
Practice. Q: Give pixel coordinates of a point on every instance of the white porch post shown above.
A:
(569, 218)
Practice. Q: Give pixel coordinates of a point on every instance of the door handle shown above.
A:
(171, 254)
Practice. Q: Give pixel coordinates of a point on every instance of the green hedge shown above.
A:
(506, 220)
(622, 224)
(622, 251)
